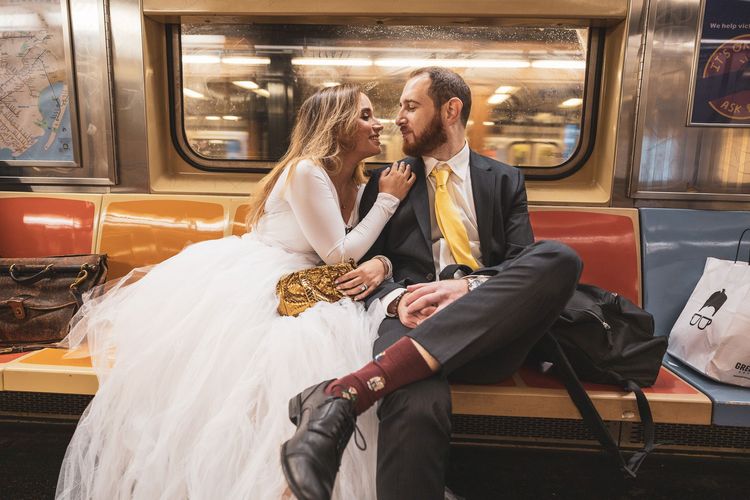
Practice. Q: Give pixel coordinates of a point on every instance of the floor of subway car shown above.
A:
(30, 455)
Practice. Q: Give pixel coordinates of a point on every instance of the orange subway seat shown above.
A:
(56, 357)
(238, 222)
(41, 226)
(137, 233)
(666, 383)
(606, 242)
(49, 371)
(6, 358)
(529, 393)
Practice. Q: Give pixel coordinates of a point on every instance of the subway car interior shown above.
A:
(134, 128)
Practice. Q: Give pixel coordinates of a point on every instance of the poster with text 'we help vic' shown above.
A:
(721, 94)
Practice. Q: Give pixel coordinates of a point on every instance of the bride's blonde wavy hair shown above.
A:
(325, 128)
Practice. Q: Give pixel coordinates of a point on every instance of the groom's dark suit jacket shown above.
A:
(470, 339)
(502, 216)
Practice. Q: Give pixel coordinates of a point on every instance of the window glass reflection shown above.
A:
(241, 84)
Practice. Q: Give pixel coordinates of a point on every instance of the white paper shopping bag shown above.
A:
(712, 334)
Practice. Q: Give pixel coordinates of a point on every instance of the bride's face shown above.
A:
(367, 137)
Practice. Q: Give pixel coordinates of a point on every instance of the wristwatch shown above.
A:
(473, 282)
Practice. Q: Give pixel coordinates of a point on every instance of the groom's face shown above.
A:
(418, 119)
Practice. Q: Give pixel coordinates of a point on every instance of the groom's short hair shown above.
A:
(444, 85)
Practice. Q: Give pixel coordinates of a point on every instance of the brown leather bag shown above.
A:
(38, 296)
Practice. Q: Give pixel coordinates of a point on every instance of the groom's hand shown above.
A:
(412, 319)
(425, 299)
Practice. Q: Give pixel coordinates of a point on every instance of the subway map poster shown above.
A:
(35, 100)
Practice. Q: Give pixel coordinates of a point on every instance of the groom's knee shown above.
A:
(562, 265)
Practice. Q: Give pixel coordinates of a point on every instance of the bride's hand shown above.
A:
(362, 281)
(397, 180)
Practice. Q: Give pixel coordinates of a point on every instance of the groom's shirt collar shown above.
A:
(459, 163)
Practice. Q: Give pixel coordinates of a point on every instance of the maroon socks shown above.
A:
(397, 366)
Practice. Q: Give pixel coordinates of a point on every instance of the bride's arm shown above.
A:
(315, 207)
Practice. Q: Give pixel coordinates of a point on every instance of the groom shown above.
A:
(465, 214)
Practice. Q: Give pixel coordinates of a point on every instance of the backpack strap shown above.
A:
(449, 271)
(647, 420)
(587, 409)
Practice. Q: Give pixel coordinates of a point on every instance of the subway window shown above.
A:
(236, 88)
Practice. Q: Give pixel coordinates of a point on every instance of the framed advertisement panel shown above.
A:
(720, 83)
(38, 115)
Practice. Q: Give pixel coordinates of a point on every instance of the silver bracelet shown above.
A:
(387, 264)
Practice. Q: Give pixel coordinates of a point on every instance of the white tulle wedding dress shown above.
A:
(196, 367)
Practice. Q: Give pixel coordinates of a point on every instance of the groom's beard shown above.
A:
(428, 140)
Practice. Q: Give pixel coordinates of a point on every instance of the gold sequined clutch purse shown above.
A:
(301, 290)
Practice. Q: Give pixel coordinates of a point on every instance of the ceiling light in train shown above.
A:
(200, 59)
(572, 103)
(247, 84)
(498, 98)
(488, 124)
(505, 89)
(559, 64)
(327, 61)
(213, 118)
(192, 93)
(452, 63)
(246, 61)
(231, 118)
(331, 84)
(262, 93)
(204, 40)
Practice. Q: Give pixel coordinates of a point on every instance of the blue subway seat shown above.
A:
(675, 245)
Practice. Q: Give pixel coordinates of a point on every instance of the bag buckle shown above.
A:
(16, 306)
(82, 276)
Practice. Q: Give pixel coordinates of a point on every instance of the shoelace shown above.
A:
(358, 435)
(351, 419)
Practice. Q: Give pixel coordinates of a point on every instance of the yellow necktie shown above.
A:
(448, 219)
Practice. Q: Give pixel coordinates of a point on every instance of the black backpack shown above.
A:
(604, 338)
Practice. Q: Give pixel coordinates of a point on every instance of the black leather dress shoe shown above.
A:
(311, 458)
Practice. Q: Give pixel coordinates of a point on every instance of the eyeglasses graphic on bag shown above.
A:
(700, 320)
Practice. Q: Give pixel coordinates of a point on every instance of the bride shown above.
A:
(195, 403)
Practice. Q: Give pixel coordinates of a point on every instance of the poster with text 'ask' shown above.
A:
(721, 80)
